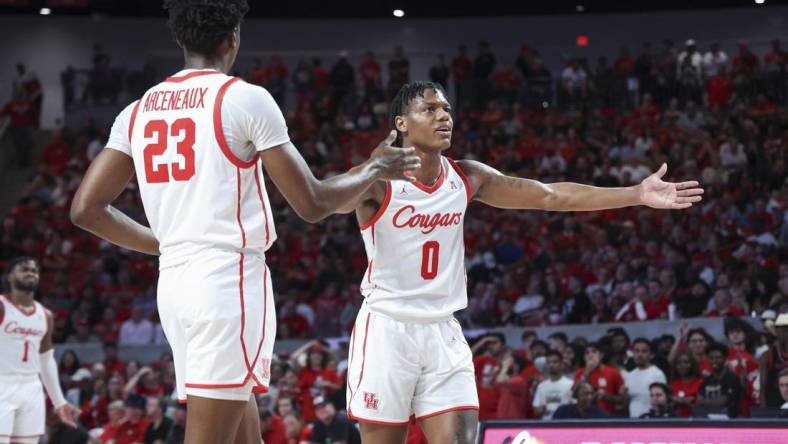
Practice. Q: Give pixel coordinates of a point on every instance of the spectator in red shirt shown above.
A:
(657, 302)
(514, 389)
(146, 382)
(321, 75)
(256, 74)
(461, 71)
(29, 83)
(722, 305)
(111, 362)
(718, 89)
(315, 378)
(371, 73)
(131, 429)
(56, 154)
(295, 431)
(624, 65)
(744, 62)
(696, 340)
(272, 428)
(685, 383)
(607, 381)
(489, 352)
(23, 117)
(116, 415)
(276, 74)
(741, 362)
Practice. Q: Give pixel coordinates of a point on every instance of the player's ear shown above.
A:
(401, 124)
(235, 37)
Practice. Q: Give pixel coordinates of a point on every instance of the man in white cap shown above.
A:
(695, 58)
(773, 362)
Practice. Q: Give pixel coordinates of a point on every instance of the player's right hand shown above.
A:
(395, 163)
(67, 412)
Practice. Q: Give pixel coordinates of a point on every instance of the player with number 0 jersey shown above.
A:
(408, 355)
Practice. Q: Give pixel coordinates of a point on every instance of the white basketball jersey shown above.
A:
(195, 191)
(416, 250)
(20, 338)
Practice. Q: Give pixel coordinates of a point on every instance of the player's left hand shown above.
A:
(656, 193)
(67, 412)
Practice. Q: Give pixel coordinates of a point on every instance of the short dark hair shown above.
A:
(733, 323)
(701, 331)
(579, 384)
(559, 335)
(201, 25)
(783, 372)
(498, 335)
(527, 333)
(552, 352)
(405, 95)
(642, 341)
(539, 343)
(618, 331)
(19, 260)
(661, 385)
(716, 346)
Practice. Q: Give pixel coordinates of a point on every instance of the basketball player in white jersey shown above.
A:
(407, 352)
(27, 359)
(197, 143)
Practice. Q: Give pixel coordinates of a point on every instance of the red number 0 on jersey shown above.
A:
(160, 173)
(429, 259)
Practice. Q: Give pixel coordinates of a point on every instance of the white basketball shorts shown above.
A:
(21, 409)
(397, 369)
(217, 311)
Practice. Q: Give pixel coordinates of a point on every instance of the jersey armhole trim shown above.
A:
(219, 133)
(462, 176)
(383, 207)
(133, 119)
(2, 315)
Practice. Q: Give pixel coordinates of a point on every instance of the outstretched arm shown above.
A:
(488, 185)
(315, 199)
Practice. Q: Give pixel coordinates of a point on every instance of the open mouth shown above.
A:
(444, 131)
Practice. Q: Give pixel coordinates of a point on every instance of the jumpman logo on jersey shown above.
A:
(453, 186)
(404, 191)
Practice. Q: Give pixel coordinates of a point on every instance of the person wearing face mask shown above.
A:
(553, 391)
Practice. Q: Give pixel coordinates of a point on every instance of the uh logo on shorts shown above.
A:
(371, 401)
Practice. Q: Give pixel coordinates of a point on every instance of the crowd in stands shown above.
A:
(716, 118)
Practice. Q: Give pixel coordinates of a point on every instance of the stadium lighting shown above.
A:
(398, 13)
(580, 8)
(45, 11)
(760, 2)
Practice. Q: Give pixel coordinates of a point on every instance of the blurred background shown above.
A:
(597, 92)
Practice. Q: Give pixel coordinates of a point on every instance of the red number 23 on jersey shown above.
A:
(160, 131)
